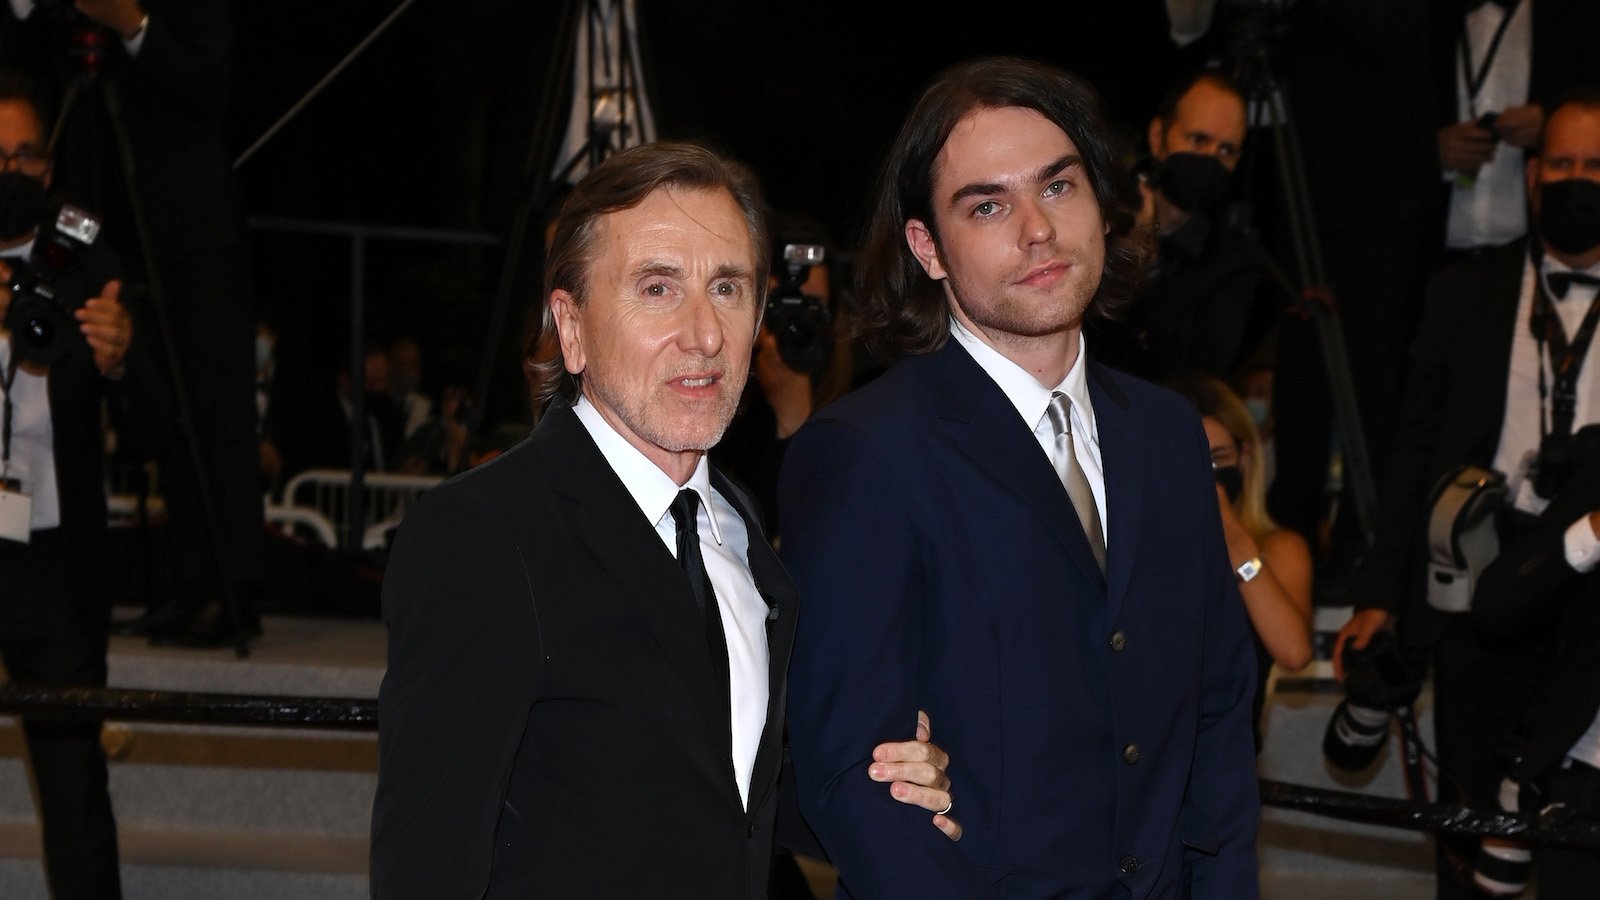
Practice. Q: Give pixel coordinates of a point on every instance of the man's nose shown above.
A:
(701, 328)
(1035, 223)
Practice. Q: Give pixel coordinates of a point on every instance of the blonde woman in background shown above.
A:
(1272, 564)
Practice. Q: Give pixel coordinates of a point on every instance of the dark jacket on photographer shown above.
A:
(1532, 588)
(1454, 413)
(140, 413)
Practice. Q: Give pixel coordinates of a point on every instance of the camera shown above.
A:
(801, 322)
(1562, 454)
(1377, 681)
(41, 323)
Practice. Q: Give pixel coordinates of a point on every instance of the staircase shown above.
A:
(206, 812)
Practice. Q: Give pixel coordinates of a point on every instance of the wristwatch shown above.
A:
(1248, 569)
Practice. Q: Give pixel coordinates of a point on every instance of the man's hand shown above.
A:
(1464, 147)
(121, 16)
(1519, 126)
(916, 770)
(107, 327)
(1357, 632)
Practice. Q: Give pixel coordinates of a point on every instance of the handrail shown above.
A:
(348, 713)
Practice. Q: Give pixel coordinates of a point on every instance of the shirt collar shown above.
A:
(1024, 391)
(646, 483)
(23, 251)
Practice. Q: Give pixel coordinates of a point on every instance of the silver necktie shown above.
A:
(1072, 477)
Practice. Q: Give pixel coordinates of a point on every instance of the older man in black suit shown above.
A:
(570, 710)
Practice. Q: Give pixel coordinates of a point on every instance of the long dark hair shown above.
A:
(900, 310)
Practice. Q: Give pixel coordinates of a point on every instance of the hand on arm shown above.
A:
(916, 770)
(107, 327)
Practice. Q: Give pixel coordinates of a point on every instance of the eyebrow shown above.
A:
(993, 187)
(669, 270)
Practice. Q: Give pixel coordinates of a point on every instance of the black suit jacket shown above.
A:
(1530, 593)
(142, 416)
(549, 719)
(1454, 403)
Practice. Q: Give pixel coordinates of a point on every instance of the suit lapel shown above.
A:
(1122, 461)
(984, 426)
(606, 519)
(782, 601)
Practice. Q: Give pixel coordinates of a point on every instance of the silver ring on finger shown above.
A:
(947, 807)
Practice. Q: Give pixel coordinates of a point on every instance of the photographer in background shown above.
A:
(1547, 585)
(801, 363)
(55, 606)
(1501, 378)
(1200, 307)
(169, 62)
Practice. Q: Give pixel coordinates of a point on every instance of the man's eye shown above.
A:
(725, 288)
(656, 289)
(986, 208)
(1059, 186)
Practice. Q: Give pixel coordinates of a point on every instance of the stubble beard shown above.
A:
(672, 423)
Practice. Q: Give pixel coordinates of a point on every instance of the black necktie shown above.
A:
(685, 512)
(1560, 282)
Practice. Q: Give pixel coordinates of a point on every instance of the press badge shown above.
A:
(16, 511)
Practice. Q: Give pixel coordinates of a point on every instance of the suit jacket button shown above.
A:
(751, 831)
(1128, 865)
(1119, 641)
(1130, 754)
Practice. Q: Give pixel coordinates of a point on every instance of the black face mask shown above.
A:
(1232, 480)
(1193, 181)
(22, 204)
(1569, 215)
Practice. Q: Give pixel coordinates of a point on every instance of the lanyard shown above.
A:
(1566, 359)
(1475, 83)
(5, 426)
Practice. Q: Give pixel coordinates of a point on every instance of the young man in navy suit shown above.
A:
(1020, 541)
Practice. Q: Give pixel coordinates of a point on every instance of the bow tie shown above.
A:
(1507, 5)
(1560, 282)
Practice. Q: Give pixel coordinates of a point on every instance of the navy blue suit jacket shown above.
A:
(1098, 727)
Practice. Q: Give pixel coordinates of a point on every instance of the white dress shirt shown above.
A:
(725, 544)
(33, 456)
(1487, 209)
(1519, 429)
(1032, 399)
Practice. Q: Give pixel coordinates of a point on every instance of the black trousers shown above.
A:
(1565, 873)
(213, 325)
(51, 637)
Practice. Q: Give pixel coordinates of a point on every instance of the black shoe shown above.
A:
(168, 617)
(208, 627)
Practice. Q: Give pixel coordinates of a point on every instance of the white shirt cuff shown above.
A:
(1582, 547)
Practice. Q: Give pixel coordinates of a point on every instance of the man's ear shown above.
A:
(569, 329)
(925, 249)
(1153, 137)
(1530, 172)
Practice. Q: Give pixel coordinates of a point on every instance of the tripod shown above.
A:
(1313, 296)
(614, 114)
(88, 49)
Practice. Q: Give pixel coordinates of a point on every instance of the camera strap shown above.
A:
(1566, 358)
(1464, 42)
(5, 418)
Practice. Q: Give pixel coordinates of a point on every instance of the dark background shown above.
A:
(432, 125)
